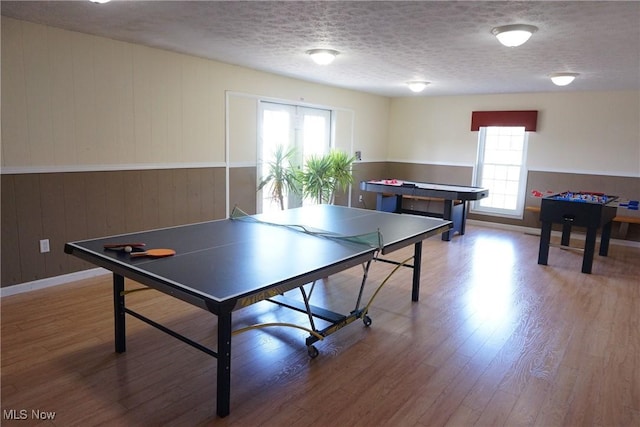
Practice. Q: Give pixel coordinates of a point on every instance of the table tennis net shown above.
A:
(372, 239)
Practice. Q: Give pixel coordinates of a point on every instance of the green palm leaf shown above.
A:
(281, 176)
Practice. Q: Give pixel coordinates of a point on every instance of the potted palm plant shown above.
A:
(316, 178)
(341, 168)
(281, 177)
(324, 175)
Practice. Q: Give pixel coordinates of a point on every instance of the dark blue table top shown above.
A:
(224, 261)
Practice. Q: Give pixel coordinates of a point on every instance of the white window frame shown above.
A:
(518, 212)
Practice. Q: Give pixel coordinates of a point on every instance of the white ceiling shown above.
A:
(383, 44)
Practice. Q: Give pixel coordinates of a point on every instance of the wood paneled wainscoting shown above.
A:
(68, 206)
(496, 339)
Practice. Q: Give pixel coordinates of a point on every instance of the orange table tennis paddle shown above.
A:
(155, 253)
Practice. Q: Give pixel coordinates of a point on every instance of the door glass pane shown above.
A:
(315, 134)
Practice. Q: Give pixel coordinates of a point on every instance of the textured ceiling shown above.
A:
(383, 44)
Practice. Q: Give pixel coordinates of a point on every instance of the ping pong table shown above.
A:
(225, 265)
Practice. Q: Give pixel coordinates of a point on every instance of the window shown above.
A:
(306, 129)
(500, 167)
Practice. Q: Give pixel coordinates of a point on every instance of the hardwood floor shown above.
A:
(496, 339)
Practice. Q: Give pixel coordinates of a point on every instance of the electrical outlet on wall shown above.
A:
(360, 198)
(44, 246)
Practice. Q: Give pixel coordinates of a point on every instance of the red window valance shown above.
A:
(528, 119)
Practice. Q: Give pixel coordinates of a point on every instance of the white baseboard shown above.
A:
(52, 281)
(536, 232)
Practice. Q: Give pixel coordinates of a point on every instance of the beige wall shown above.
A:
(586, 132)
(242, 122)
(74, 100)
(71, 100)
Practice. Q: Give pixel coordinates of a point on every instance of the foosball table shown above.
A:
(577, 209)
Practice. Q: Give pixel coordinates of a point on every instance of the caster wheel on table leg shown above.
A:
(312, 351)
(367, 321)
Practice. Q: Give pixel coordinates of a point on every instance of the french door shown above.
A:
(306, 130)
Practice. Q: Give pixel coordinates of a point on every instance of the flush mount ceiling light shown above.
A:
(514, 35)
(417, 86)
(563, 79)
(100, 1)
(323, 56)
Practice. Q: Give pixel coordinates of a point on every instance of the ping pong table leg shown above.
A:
(119, 313)
(417, 259)
(223, 394)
